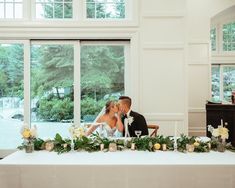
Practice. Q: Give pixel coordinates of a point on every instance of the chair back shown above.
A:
(154, 128)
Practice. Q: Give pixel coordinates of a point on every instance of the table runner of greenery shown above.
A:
(92, 143)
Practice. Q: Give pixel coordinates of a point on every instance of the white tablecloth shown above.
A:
(118, 169)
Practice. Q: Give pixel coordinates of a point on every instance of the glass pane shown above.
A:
(68, 10)
(233, 46)
(215, 78)
(48, 10)
(58, 10)
(90, 10)
(120, 10)
(225, 37)
(11, 95)
(225, 46)
(102, 77)
(225, 29)
(39, 11)
(52, 89)
(106, 9)
(18, 1)
(1, 10)
(110, 10)
(18, 10)
(213, 39)
(229, 82)
(100, 10)
(9, 10)
(229, 36)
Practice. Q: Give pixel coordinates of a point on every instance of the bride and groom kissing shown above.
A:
(119, 120)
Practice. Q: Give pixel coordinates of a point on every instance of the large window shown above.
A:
(69, 81)
(11, 94)
(11, 9)
(54, 9)
(229, 37)
(223, 82)
(103, 9)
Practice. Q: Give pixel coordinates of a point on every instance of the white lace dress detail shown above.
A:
(106, 131)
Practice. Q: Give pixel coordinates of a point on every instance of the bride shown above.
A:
(109, 122)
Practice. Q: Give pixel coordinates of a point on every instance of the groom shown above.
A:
(134, 120)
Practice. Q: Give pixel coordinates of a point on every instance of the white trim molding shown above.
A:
(164, 46)
(197, 130)
(164, 14)
(165, 116)
(196, 110)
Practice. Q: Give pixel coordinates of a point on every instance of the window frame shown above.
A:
(34, 18)
(222, 35)
(128, 80)
(5, 152)
(128, 6)
(221, 77)
(13, 18)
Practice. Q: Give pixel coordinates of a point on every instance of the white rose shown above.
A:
(215, 133)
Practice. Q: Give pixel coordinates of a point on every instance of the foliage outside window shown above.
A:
(11, 9)
(54, 9)
(102, 77)
(213, 39)
(223, 82)
(11, 94)
(52, 87)
(105, 9)
(229, 37)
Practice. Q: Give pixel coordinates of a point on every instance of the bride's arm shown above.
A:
(93, 127)
(120, 126)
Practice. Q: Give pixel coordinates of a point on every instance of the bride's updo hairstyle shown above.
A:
(108, 106)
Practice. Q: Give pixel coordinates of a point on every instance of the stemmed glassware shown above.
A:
(138, 133)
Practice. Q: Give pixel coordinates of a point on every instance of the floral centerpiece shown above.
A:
(219, 136)
(76, 132)
(29, 135)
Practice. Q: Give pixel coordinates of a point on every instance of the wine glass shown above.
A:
(138, 133)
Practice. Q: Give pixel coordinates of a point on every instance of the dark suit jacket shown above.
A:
(139, 123)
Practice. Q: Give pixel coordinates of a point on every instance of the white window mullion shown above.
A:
(77, 93)
(4, 9)
(13, 6)
(27, 82)
(77, 9)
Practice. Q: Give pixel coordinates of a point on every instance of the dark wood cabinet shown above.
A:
(216, 112)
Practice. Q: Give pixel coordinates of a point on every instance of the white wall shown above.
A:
(199, 14)
(170, 56)
(162, 56)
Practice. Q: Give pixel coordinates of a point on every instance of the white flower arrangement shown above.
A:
(28, 133)
(76, 132)
(220, 132)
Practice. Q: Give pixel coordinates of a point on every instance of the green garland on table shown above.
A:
(92, 144)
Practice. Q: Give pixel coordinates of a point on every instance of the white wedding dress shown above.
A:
(105, 130)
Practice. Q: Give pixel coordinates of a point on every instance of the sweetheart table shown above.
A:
(122, 169)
